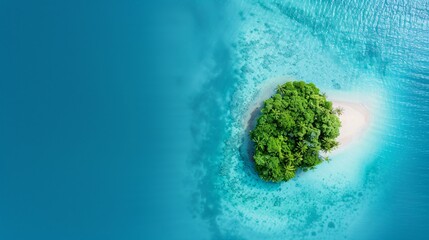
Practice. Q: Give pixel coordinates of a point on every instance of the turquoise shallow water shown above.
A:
(369, 51)
(127, 119)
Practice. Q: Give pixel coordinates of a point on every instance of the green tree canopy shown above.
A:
(295, 125)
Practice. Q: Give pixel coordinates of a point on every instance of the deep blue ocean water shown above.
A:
(126, 119)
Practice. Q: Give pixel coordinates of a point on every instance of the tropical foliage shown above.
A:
(295, 125)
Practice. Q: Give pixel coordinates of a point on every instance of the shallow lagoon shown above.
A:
(359, 51)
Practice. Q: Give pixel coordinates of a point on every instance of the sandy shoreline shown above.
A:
(355, 120)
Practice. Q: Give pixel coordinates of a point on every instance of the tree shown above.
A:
(295, 125)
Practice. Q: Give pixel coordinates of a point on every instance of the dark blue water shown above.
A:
(126, 119)
(87, 148)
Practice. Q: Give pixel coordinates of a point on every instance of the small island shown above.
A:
(295, 125)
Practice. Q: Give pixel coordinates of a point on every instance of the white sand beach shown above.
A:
(355, 120)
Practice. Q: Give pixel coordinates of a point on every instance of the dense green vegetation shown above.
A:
(295, 125)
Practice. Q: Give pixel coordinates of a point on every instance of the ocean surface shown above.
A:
(127, 119)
